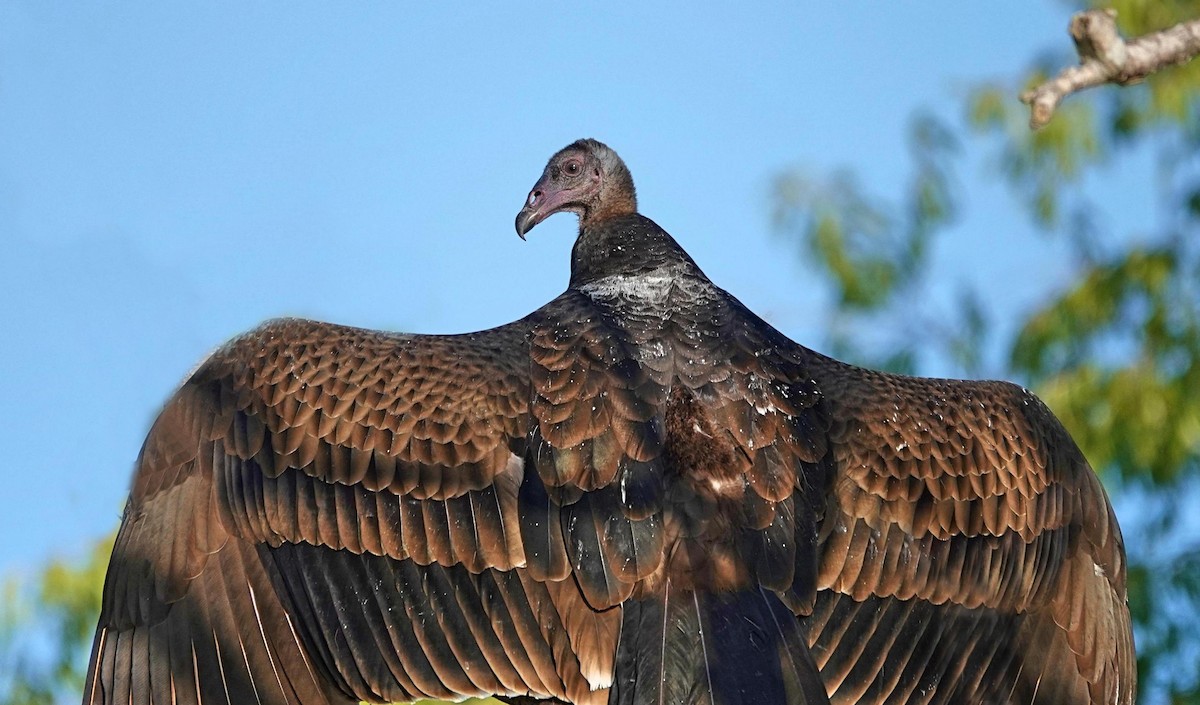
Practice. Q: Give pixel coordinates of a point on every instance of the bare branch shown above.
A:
(1104, 57)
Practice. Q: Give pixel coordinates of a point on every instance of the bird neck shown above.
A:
(625, 245)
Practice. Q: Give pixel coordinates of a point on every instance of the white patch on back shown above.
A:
(638, 300)
(645, 288)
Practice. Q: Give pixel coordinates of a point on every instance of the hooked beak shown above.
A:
(543, 201)
(529, 216)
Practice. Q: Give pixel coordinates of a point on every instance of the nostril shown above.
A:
(534, 196)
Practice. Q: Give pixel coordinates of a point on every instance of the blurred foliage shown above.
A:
(46, 627)
(1115, 352)
(871, 250)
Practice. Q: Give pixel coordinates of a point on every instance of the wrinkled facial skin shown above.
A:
(570, 182)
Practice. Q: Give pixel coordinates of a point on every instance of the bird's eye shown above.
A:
(572, 168)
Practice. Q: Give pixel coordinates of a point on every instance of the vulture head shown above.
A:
(586, 178)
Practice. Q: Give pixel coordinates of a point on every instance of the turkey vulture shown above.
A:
(639, 493)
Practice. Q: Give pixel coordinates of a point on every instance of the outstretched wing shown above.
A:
(328, 514)
(968, 552)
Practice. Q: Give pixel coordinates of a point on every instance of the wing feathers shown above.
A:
(227, 636)
(304, 432)
(954, 523)
(324, 514)
(476, 528)
(446, 632)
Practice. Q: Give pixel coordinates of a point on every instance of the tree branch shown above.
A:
(1104, 57)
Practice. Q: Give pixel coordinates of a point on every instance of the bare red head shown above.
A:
(586, 178)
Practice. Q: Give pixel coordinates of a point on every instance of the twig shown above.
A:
(1104, 57)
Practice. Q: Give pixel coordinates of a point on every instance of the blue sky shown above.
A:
(171, 175)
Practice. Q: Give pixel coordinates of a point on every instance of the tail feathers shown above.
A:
(689, 648)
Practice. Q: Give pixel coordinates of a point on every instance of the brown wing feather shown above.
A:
(188, 611)
(597, 437)
(963, 516)
(336, 508)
